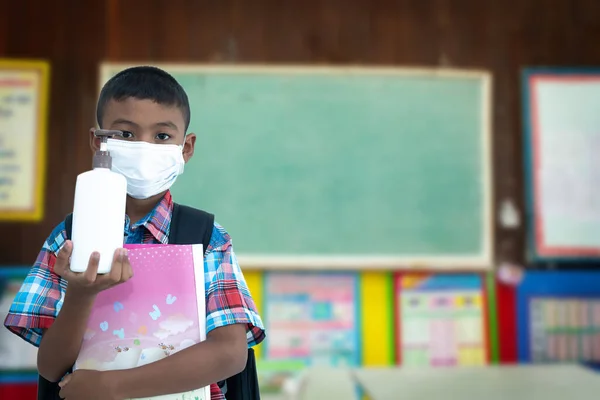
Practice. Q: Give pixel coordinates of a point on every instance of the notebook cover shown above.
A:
(158, 312)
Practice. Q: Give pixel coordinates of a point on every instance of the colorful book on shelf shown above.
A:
(158, 312)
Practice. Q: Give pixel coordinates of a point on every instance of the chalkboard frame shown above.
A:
(483, 261)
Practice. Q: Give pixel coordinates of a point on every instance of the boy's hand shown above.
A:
(87, 385)
(89, 283)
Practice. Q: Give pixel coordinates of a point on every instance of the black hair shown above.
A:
(144, 83)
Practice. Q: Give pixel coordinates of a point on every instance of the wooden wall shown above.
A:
(500, 35)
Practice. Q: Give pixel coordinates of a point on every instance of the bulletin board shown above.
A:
(23, 124)
(372, 312)
(312, 317)
(561, 120)
(558, 316)
(381, 320)
(442, 320)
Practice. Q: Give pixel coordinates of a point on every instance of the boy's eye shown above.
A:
(163, 136)
(127, 135)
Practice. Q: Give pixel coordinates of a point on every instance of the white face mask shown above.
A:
(149, 168)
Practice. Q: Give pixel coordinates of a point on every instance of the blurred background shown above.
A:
(391, 204)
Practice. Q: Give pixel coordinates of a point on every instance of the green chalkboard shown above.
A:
(343, 167)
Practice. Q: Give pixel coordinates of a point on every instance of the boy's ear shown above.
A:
(188, 146)
(94, 141)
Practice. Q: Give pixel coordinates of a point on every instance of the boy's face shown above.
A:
(145, 120)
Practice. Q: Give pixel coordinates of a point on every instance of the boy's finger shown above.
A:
(126, 271)
(64, 271)
(92, 269)
(61, 266)
(63, 255)
(65, 380)
(64, 393)
(117, 267)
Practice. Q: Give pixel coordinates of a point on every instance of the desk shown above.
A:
(548, 382)
(327, 383)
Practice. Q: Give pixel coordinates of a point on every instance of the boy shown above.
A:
(151, 109)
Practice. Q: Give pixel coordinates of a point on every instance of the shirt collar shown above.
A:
(157, 221)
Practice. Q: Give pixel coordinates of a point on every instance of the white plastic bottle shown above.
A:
(99, 211)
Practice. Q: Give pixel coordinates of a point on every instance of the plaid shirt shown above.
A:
(228, 300)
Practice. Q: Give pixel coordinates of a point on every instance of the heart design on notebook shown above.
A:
(156, 313)
(118, 306)
(120, 333)
(171, 299)
(104, 326)
(133, 318)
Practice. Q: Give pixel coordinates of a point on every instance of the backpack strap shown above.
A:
(69, 225)
(191, 226)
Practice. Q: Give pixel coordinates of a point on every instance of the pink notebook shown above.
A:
(158, 312)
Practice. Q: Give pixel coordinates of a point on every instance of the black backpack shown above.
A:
(188, 226)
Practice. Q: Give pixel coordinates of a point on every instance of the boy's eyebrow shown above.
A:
(124, 121)
(167, 124)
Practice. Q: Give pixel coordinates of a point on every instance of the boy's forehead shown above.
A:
(142, 112)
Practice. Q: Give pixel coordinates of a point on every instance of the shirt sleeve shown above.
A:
(41, 295)
(228, 299)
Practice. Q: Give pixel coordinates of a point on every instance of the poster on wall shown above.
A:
(15, 353)
(23, 108)
(564, 329)
(441, 320)
(312, 318)
(558, 317)
(562, 167)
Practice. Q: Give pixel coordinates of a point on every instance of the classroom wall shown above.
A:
(75, 36)
(499, 35)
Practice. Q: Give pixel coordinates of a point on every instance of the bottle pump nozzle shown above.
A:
(102, 158)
